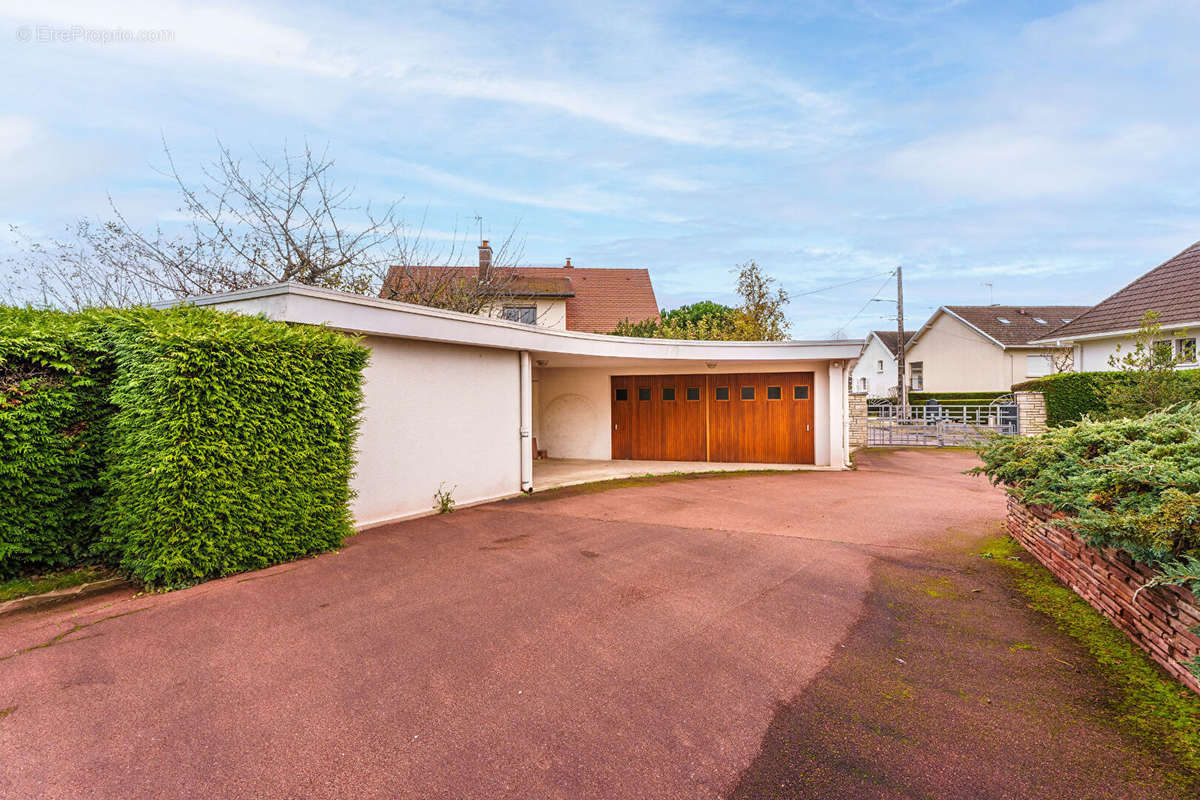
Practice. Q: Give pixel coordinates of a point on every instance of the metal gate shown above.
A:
(937, 425)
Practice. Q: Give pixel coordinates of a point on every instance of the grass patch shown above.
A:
(1149, 703)
(40, 584)
(649, 479)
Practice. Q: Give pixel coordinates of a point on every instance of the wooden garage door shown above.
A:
(752, 417)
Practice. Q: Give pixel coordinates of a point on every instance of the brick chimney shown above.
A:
(485, 259)
(568, 266)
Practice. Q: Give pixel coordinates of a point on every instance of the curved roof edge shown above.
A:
(300, 303)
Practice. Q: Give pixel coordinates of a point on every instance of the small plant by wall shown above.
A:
(443, 499)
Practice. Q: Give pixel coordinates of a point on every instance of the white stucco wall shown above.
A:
(435, 413)
(573, 411)
(957, 359)
(1092, 355)
(879, 384)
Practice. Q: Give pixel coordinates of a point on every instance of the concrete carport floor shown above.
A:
(553, 473)
(628, 643)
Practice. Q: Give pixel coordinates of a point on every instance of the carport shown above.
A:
(456, 402)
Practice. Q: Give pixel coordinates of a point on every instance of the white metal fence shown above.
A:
(937, 425)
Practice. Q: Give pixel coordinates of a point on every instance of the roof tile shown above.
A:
(1172, 289)
(598, 298)
(1022, 325)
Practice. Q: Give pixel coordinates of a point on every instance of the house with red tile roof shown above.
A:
(985, 348)
(1172, 289)
(586, 299)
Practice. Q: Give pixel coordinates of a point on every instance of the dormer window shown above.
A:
(1003, 321)
(525, 314)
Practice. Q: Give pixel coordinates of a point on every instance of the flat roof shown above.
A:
(311, 305)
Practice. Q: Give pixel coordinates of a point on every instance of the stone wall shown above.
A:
(1159, 620)
(1031, 411)
(858, 420)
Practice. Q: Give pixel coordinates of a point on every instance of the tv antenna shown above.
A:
(479, 220)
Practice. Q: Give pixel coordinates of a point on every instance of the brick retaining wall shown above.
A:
(1159, 621)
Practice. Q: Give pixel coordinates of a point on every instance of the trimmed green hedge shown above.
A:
(52, 412)
(953, 398)
(1071, 395)
(227, 443)
(980, 398)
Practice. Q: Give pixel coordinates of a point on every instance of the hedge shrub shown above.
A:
(52, 410)
(1132, 484)
(227, 442)
(977, 398)
(1071, 395)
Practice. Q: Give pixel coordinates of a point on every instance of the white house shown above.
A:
(1172, 289)
(984, 348)
(875, 373)
(456, 400)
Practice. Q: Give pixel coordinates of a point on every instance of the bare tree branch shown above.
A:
(269, 221)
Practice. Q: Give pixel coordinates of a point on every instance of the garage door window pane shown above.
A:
(774, 392)
(747, 392)
(622, 395)
(668, 393)
(693, 393)
(722, 392)
(800, 393)
(644, 393)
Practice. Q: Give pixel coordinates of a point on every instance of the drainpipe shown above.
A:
(526, 423)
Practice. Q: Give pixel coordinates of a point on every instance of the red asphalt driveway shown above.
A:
(631, 643)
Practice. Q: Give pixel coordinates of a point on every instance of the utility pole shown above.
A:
(901, 387)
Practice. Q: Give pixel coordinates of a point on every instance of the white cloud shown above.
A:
(16, 134)
(220, 32)
(1025, 160)
(583, 199)
(652, 84)
(670, 182)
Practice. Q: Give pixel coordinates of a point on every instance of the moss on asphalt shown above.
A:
(1150, 703)
(39, 584)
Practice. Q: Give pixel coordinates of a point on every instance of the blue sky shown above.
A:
(1046, 149)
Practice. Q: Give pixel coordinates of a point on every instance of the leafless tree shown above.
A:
(246, 225)
(1062, 359)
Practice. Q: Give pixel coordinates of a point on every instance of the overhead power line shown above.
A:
(847, 283)
(858, 314)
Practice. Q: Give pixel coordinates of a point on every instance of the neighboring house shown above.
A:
(588, 299)
(985, 348)
(875, 372)
(1172, 289)
(455, 400)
